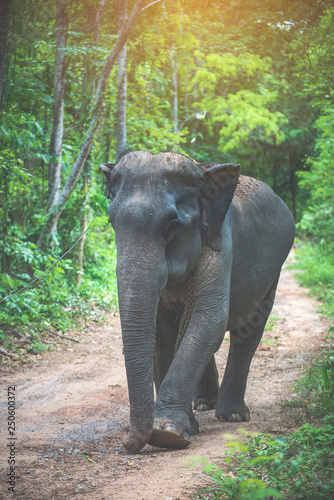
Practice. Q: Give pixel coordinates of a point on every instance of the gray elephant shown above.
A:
(199, 252)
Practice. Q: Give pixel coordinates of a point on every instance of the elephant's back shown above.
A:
(258, 208)
(249, 188)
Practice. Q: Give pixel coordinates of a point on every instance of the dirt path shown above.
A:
(72, 404)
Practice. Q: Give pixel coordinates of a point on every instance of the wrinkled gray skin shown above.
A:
(173, 216)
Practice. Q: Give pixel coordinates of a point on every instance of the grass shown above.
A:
(271, 324)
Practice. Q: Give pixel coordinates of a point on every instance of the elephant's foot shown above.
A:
(167, 435)
(205, 404)
(173, 430)
(237, 413)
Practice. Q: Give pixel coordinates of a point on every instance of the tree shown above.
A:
(95, 122)
(56, 144)
(122, 86)
(83, 227)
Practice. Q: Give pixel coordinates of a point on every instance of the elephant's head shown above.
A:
(164, 208)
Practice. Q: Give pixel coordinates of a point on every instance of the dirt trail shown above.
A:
(72, 404)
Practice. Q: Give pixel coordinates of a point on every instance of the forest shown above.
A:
(83, 82)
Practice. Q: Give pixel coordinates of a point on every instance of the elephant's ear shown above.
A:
(219, 183)
(106, 168)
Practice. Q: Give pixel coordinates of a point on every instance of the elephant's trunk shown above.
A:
(140, 282)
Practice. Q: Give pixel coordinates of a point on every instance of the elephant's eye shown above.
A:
(173, 227)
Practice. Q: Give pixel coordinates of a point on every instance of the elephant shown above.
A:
(199, 252)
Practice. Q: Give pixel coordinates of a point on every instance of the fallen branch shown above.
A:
(9, 354)
(65, 337)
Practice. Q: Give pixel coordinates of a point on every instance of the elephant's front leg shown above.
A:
(173, 418)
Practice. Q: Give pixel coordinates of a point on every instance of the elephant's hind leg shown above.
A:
(206, 395)
(244, 341)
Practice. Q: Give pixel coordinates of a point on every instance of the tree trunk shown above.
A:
(56, 143)
(5, 206)
(83, 227)
(122, 86)
(97, 114)
(86, 175)
(96, 32)
(174, 61)
(175, 96)
(5, 9)
(292, 178)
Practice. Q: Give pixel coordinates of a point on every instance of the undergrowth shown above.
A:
(297, 466)
(317, 273)
(54, 303)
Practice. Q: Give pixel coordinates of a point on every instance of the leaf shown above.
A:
(25, 319)
(325, 376)
(294, 467)
(266, 493)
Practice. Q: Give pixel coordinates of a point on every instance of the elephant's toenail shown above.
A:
(222, 419)
(157, 426)
(186, 436)
(202, 407)
(171, 428)
(235, 417)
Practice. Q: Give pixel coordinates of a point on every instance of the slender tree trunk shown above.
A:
(292, 177)
(5, 260)
(174, 61)
(83, 227)
(96, 32)
(95, 122)
(56, 144)
(175, 97)
(108, 135)
(122, 86)
(87, 167)
(5, 12)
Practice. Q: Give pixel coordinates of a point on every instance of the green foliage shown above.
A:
(317, 179)
(254, 86)
(236, 94)
(318, 218)
(317, 385)
(54, 301)
(26, 121)
(317, 273)
(300, 465)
